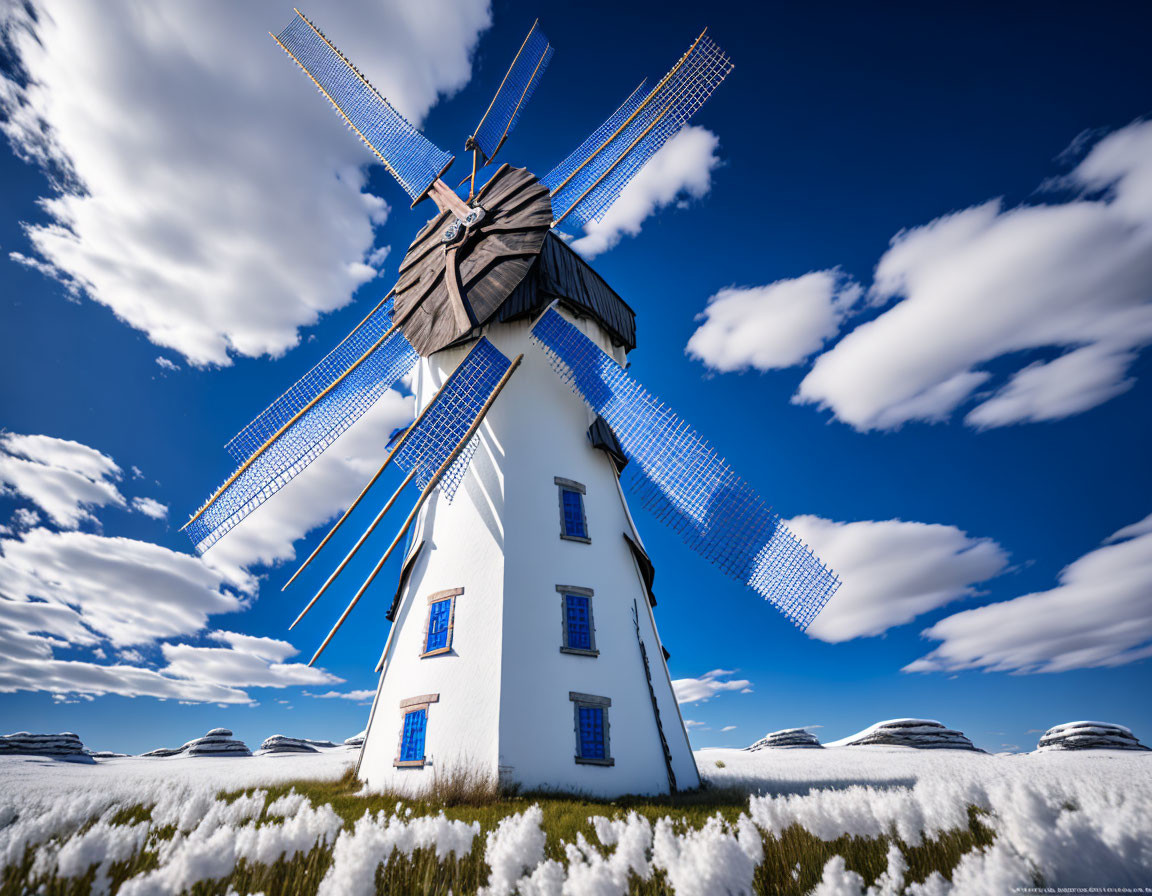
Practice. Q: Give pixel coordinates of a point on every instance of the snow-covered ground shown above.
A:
(1077, 819)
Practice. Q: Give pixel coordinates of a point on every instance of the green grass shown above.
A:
(564, 817)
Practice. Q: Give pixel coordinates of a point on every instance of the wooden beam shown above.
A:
(433, 482)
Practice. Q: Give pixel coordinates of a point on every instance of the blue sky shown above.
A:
(228, 225)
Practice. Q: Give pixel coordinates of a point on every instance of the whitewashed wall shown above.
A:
(503, 689)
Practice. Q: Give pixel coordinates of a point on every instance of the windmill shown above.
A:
(523, 641)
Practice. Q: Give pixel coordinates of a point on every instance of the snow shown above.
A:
(1075, 818)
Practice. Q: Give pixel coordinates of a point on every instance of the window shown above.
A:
(579, 633)
(412, 744)
(413, 730)
(441, 621)
(591, 718)
(573, 522)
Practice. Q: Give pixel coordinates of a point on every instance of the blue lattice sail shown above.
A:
(307, 419)
(587, 183)
(684, 482)
(514, 93)
(442, 426)
(410, 156)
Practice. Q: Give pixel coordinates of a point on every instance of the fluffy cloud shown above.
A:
(366, 694)
(689, 690)
(773, 326)
(1098, 615)
(989, 281)
(892, 571)
(681, 168)
(205, 193)
(70, 590)
(150, 507)
(246, 661)
(985, 283)
(64, 478)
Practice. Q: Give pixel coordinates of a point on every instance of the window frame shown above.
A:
(449, 594)
(592, 701)
(565, 647)
(577, 487)
(408, 706)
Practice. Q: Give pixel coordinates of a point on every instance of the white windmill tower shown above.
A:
(523, 643)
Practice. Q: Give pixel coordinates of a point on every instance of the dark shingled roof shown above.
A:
(559, 273)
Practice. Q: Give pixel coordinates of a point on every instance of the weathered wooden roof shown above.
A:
(559, 273)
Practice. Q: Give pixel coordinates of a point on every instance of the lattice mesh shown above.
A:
(453, 411)
(411, 158)
(515, 92)
(245, 443)
(306, 438)
(565, 169)
(669, 106)
(686, 484)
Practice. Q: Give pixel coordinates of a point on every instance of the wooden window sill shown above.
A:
(439, 652)
(408, 763)
(579, 538)
(579, 651)
(580, 760)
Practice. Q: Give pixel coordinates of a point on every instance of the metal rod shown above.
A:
(472, 187)
(364, 491)
(435, 480)
(363, 538)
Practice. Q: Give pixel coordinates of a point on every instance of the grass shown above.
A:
(472, 798)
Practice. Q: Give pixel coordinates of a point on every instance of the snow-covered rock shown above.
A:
(1089, 736)
(788, 738)
(356, 740)
(105, 754)
(64, 744)
(280, 743)
(217, 742)
(923, 734)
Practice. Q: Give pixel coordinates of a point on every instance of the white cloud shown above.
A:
(150, 507)
(165, 364)
(207, 194)
(86, 591)
(1098, 615)
(689, 690)
(366, 694)
(128, 592)
(892, 571)
(990, 281)
(63, 478)
(692, 723)
(247, 661)
(681, 168)
(728, 728)
(773, 326)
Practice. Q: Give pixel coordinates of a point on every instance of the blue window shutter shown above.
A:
(412, 746)
(573, 503)
(578, 623)
(591, 732)
(438, 617)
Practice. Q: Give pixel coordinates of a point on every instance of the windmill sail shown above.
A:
(410, 157)
(336, 403)
(585, 187)
(270, 421)
(515, 91)
(685, 483)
